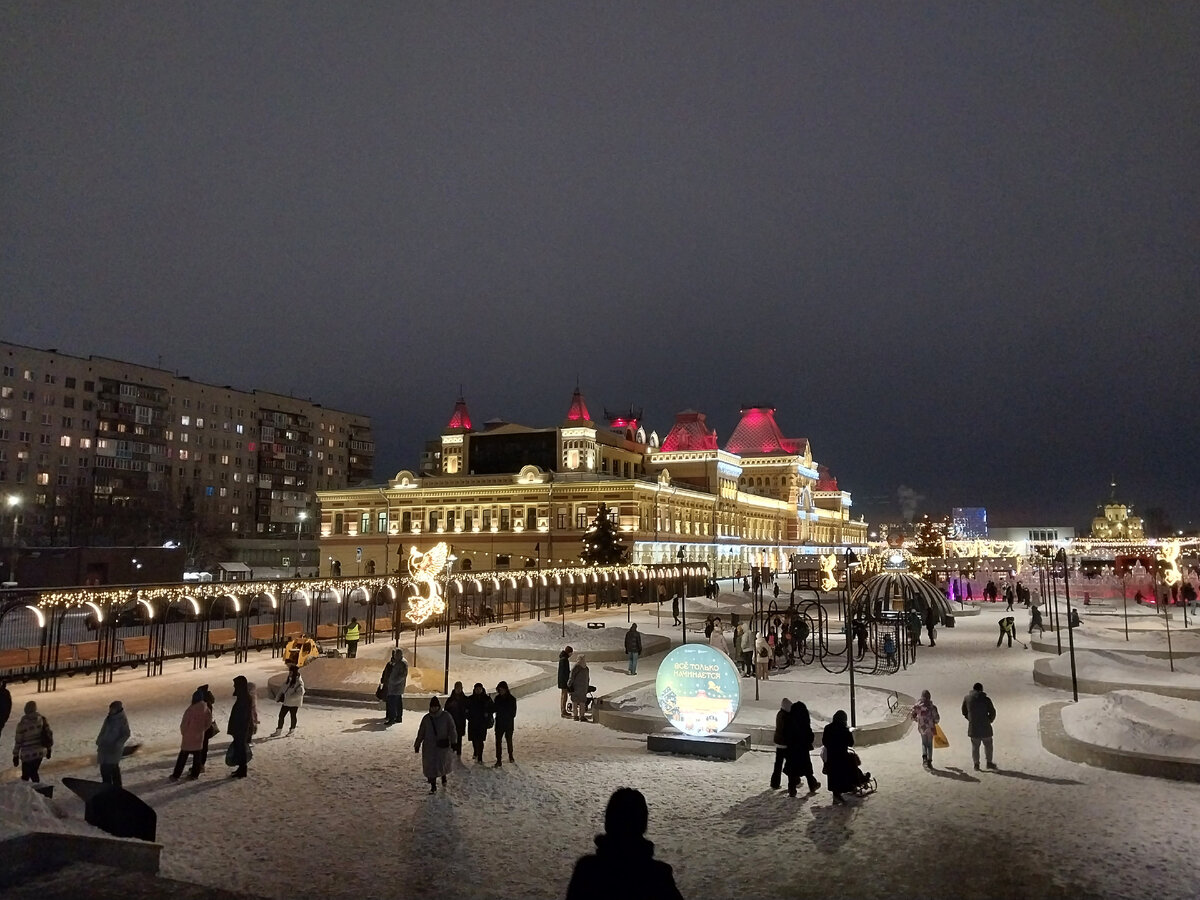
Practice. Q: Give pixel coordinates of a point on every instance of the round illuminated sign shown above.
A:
(698, 689)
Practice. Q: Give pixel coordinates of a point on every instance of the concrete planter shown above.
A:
(1056, 740)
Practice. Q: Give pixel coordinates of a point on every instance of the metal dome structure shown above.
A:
(895, 590)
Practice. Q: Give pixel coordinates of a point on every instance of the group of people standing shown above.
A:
(574, 682)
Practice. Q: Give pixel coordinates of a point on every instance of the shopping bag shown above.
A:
(940, 741)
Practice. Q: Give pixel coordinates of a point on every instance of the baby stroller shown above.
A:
(587, 703)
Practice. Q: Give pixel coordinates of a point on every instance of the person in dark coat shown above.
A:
(480, 716)
(623, 864)
(781, 729)
(456, 706)
(980, 713)
(860, 634)
(799, 736)
(564, 676)
(841, 768)
(931, 624)
(110, 743)
(1035, 621)
(5, 705)
(506, 715)
(675, 608)
(633, 647)
(239, 727)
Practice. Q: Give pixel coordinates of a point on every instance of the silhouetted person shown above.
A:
(623, 864)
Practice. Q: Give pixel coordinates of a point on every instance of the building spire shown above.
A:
(578, 411)
(460, 420)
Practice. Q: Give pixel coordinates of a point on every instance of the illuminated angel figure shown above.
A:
(829, 578)
(1170, 558)
(427, 593)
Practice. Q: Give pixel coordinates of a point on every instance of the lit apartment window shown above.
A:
(185, 420)
(64, 441)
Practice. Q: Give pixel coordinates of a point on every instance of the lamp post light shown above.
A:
(449, 570)
(14, 501)
(1062, 556)
(851, 562)
(299, 528)
(682, 598)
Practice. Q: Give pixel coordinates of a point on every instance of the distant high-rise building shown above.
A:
(103, 451)
(970, 522)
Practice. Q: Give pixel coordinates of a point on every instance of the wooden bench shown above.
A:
(383, 625)
(292, 629)
(327, 632)
(87, 651)
(222, 638)
(136, 646)
(14, 658)
(262, 632)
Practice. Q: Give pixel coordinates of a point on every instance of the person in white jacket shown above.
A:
(717, 639)
(291, 698)
(762, 656)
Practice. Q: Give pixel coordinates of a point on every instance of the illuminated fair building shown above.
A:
(1116, 523)
(508, 495)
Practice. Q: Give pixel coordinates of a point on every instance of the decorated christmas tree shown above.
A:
(602, 544)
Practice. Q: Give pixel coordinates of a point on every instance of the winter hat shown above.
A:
(626, 814)
(30, 707)
(785, 704)
(925, 695)
(115, 707)
(502, 684)
(581, 660)
(197, 695)
(977, 687)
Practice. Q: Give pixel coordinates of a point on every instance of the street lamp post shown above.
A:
(14, 501)
(1062, 555)
(851, 562)
(449, 570)
(299, 528)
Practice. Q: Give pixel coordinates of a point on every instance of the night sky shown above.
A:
(957, 246)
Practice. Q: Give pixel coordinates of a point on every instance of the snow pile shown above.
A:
(549, 636)
(1137, 722)
(22, 810)
(1129, 668)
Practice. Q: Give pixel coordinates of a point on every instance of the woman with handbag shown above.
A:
(435, 741)
(291, 696)
(481, 713)
(925, 714)
(237, 756)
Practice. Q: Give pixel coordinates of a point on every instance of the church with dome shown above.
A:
(510, 496)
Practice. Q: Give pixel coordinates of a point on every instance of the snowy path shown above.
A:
(340, 809)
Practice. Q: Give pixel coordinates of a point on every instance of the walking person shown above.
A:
(353, 636)
(633, 647)
(238, 754)
(392, 683)
(456, 706)
(1035, 621)
(912, 620)
(781, 743)
(860, 635)
(980, 713)
(5, 704)
(110, 743)
(675, 608)
(840, 767)
(799, 735)
(32, 742)
(193, 729)
(480, 718)
(624, 863)
(435, 738)
(931, 624)
(1007, 628)
(579, 684)
(925, 714)
(564, 679)
(291, 698)
(506, 716)
(762, 656)
(1008, 597)
(213, 729)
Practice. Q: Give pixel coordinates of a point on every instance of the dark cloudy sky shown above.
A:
(955, 244)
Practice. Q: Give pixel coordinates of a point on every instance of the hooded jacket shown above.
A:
(978, 710)
(395, 675)
(195, 722)
(622, 867)
(110, 742)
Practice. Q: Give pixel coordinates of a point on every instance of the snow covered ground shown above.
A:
(549, 636)
(340, 809)
(1129, 668)
(1138, 722)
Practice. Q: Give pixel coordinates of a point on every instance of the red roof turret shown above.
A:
(690, 432)
(757, 434)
